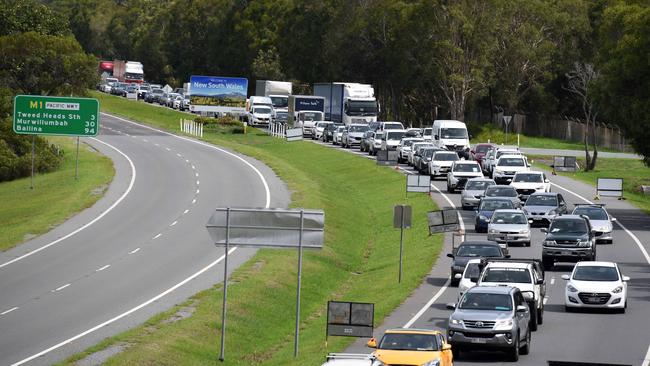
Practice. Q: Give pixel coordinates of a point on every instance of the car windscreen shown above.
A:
(508, 275)
(358, 129)
(509, 218)
(280, 102)
(394, 135)
(568, 226)
(480, 185)
(594, 213)
(427, 132)
(486, 301)
(408, 142)
(492, 205)
(393, 126)
(472, 270)
(409, 342)
(265, 110)
(453, 133)
(467, 168)
(482, 148)
(427, 153)
(446, 156)
(501, 192)
(527, 178)
(478, 250)
(541, 200)
(511, 162)
(595, 273)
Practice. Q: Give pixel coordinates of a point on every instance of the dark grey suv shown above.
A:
(570, 238)
(490, 318)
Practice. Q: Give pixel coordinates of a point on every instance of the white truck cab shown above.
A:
(451, 135)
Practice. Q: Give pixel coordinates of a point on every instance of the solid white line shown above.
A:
(194, 200)
(168, 149)
(9, 311)
(174, 223)
(428, 304)
(553, 281)
(127, 313)
(197, 191)
(266, 186)
(133, 175)
(103, 268)
(545, 300)
(197, 182)
(646, 360)
(61, 288)
(145, 140)
(134, 251)
(157, 144)
(196, 174)
(157, 236)
(186, 211)
(179, 155)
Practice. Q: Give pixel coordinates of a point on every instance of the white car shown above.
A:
(507, 165)
(351, 359)
(596, 285)
(472, 270)
(260, 115)
(527, 183)
(404, 147)
(414, 148)
(391, 139)
(494, 154)
(337, 135)
(460, 172)
(441, 162)
(600, 221)
(319, 128)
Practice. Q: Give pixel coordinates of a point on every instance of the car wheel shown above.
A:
(547, 263)
(533, 321)
(540, 315)
(449, 189)
(514, 352)
(526, 349)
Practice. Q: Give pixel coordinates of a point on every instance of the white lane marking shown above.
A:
(553, 281)
(174, 223)
(545, 300)
(187, 161)
(157, 144)
(134, 251)
(9, 311)
(127, 313)
(267, 190)
(145, 140)
(157, 236)
(197, 182)
(103, 268)
(428, 304)
(179, 155)
(196, 174)
(197, 191)
(185, 212)
(168, 149)
(61, 288)
(194, 200)
(646, 360)
(133, 175)
(636, 240)
(193, 167)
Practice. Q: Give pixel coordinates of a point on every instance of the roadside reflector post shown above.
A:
(401, 219)
(76, 164)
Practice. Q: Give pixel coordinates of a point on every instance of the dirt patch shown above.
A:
(29, 236)
(98, 358)
(182, 313)
(99, 191)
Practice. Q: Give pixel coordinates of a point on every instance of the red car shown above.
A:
(479, 151)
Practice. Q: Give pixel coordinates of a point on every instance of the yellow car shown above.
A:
(416, 347)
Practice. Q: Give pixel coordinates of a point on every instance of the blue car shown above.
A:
(486, 208)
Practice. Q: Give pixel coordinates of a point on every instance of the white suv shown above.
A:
(506, 167)
(460, 172)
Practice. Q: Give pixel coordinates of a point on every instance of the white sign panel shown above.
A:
(610, 187)
(418, 183)
(294, 134)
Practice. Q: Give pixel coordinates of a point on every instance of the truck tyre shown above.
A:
(526, 349)
(540, 315)
(533, 320)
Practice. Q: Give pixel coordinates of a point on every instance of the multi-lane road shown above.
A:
(141, 249)
(598, 337)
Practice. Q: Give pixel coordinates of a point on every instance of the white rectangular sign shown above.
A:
(418, 183)
(294, 134)
(610, 187)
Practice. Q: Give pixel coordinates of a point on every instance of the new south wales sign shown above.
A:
(42, 115)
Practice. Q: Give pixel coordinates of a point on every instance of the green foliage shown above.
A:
(18, 16)
(267, 65)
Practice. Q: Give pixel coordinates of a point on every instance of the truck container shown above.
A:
(128, 71)
(303, 104)
(279, 92)
(348, 102)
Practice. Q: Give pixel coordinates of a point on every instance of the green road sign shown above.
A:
(40, 115)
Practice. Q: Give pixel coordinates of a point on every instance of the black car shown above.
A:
(569, 238)
(504, 191)
(422, 158)
(152, 96)
(328, 132)
(472, 249)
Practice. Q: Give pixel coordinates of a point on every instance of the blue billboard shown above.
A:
(218, 94)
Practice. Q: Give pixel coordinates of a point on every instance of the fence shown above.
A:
(190, 127)
(278, 130)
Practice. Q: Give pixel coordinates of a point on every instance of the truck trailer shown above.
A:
(128, 71)
(279, 92)
(348, 103)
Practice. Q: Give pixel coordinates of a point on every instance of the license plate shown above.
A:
(593, 299)
(537, 218)
(566, 253)
(479, 340)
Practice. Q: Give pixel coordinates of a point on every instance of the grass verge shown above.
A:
(359, 261)
(26, 213)
(633, 172)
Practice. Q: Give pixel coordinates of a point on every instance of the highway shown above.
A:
(139, 250)
(590, 336)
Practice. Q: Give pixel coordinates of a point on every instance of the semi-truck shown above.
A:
(128, 71)
(348, 103)
(279, 92)
(304, 110)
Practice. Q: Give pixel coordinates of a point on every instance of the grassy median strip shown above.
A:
(633, 172)
(26, 213)
(358, 263)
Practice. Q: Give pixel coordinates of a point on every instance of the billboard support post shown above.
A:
(296, 336)
(33, 155)
(225, 288)
(76, 163)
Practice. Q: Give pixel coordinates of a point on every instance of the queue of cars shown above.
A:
(150, 93)
(501, 299)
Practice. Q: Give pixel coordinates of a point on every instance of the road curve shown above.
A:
(143, 255)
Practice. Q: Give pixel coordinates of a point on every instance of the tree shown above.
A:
(581, 83)
(18, 16)
(267, 65)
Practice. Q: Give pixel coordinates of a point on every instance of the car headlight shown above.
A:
(583, 243)
(497, 171)
(604, 229)
(456, 321)
(483, 218)
(540, 188)
(503, 324)
(617, 290)
(493, 231)
(550, 243)
(432, 363)
(571, 288)
(525, 231)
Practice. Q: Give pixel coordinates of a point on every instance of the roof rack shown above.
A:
(349, 356)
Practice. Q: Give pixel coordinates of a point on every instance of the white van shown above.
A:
(451, 135)
(390, 126)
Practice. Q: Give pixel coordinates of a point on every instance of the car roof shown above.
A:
(506, 156)
(468, 162)
(500, 186)
(570, 217)
(497, 198)
(530, 172)
(596, 263)
(509, 210)
(412, 331)
(479, 242)
(508, 264)
(491, 289)
(481, 179)
(446, 152)
(554, 194)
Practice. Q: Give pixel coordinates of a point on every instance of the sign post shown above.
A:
(266, 228)
(401, 219)
(507, 119)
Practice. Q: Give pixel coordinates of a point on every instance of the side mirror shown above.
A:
(458, 276)
(507, 256)
(471, 137)
(372, 343)
(613, 219)
(446, 347)
(522, 308)
(451, 306)
(626, 278)
(547, 181)
(565, 277)
(450, 255)
(544, 230)
(540, 281)
(476, 211)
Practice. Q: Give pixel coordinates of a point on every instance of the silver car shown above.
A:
(404, 148)
(600, 220)
(353, 135)
(474, 191)
(509, 227)
(542, 207)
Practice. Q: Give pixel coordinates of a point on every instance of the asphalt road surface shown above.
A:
(587, 336)
(141, 249)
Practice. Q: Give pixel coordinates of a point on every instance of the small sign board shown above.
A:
(294, 134)
(610, 187)
(350, 319)
(443, 221)
(507, 119)
(386, 157)
(267, 227)
(402, 216)
(418, 183)
(43, 115)
(132, 96)
(565, 163)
